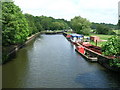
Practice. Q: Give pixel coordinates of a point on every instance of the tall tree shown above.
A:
(103, 29)
(31, 24)
(46, 22)
(80, 25)
(14, 26)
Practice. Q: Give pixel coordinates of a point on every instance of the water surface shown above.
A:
(50, 61)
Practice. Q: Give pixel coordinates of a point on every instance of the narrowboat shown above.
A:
(90, 52)
(94, 53)
(87, 52)
(74, 38)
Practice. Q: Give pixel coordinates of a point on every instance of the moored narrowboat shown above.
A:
(92, 53)
(82, 51)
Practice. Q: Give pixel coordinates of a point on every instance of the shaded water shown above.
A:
(50, 61)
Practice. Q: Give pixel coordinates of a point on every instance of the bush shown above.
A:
(111, 32)
(112, 48)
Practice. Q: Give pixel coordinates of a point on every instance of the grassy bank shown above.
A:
(102, 37)
(117, 32)
(98, 43)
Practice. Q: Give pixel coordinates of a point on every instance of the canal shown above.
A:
(50, 61)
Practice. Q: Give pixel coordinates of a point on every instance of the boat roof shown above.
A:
(76, 35)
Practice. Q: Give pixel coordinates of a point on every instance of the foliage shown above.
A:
(102, 29)
(111, 26)
(115, 62)
(59, 25)
(50, 23)
(80, 25)
(117, 32)
(112, 46)
(32, 27)
(98, 43)
(46, 22)
(15, 27)
(34, 24)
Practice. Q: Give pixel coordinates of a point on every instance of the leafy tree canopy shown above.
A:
(14, 27)
(80, 25)
(103, 29)
(112, 46)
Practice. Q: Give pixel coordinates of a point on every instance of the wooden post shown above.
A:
(96, 42)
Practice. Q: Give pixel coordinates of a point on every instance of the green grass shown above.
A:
(102, 37)
(70, 32)
(98, 43)
(117, 31)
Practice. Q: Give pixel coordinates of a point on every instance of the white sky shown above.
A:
(94, 10)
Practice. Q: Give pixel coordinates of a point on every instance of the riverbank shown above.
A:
(101, 59)
(52, 32)
(9, 52)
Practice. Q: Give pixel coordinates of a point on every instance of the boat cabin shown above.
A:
(76, 37)
(86, 39)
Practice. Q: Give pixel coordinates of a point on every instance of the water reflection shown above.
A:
(99, 79)
(50, 61)
(15, 71)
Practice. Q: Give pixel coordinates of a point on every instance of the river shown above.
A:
(50, 61)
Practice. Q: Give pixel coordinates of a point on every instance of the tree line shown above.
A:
(16, 26)
(102, 28)
(84, 26)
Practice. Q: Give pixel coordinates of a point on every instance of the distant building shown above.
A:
(95, 38)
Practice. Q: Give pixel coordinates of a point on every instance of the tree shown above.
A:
(59, 25)
(49, 23)
(31, 24)
(45, 22)
(111, 26)
(112, 48)
(102, 29)
(38, 24)
(14, 28)
(80, 25)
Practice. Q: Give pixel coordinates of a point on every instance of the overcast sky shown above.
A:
(94, 10)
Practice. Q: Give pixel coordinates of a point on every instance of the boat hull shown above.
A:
(90, 59)
(104, 61)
